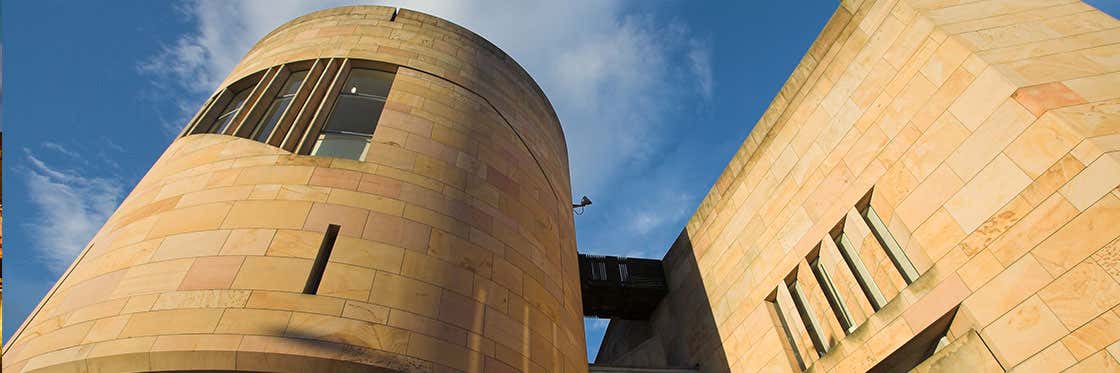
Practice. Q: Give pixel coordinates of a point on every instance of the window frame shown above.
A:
(859, 270)
(890, 245)
(208, 117)
(831, 292)
(787, 329)
(260, 116)
(300, 129)
(314, 136)
(808, 316)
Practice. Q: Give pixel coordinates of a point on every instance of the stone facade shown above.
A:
(456, 250)
(987, 137)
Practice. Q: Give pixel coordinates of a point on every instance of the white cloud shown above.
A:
(71, 208)
(611, 73)
(62, 150)
(597, 324)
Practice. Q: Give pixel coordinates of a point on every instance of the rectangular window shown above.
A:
(894, 251)
(278, 106)
(623, 272)
(230, 111)
(788, 334)
(354, 116)
(862, 275)
(808, 317)
(835, 300)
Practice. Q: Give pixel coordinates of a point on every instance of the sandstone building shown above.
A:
(455, 245)
(934, 188)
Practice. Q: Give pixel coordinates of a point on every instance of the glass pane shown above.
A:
(368, 82)
(271, 117)
(223, 123)
(230, 111)
(355, 114)
(341, 145)
(292, 84)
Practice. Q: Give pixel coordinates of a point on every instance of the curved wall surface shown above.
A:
(456, 250)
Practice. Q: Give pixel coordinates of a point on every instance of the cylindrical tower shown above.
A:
(437, 156)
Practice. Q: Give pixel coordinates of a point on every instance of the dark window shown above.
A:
(278, 106)
(355, 114)
(230, 111)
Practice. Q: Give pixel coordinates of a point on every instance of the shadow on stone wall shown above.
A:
(682, 331)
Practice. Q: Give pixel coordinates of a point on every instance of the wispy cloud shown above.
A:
(598, 324)
(70, 205)
(612, 74)
(62, 150)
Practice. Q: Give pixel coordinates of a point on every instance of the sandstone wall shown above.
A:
(988, 134)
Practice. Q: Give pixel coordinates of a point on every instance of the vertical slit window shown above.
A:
(789, 334)
(230, 111)
(623, 272)
(835, 300)
(278, 106)
(807, 317)
(894, 251)
(863, 277)
(351, 123)
(321, 259)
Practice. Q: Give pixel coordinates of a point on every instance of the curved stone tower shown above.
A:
(438, 157)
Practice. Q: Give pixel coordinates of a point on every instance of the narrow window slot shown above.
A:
(835, 300)
(320, 265)
(862, 275)
(893, 249)
(808, 317)
(788, 332)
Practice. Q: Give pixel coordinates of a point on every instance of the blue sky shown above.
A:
(654, 97)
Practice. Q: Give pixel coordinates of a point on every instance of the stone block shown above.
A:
(1097, 179)
(1018, 282)
(983, 96)
(346, 281)
(351, 220)
(295, 302)
(188, 321)
(993, 186)
(248, 242)
(1025, 330)
(272, 273)
(1081, 294)
(406, 294)
(267, 214)
(1042, 144)
(1081, 237)
(253, 321)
